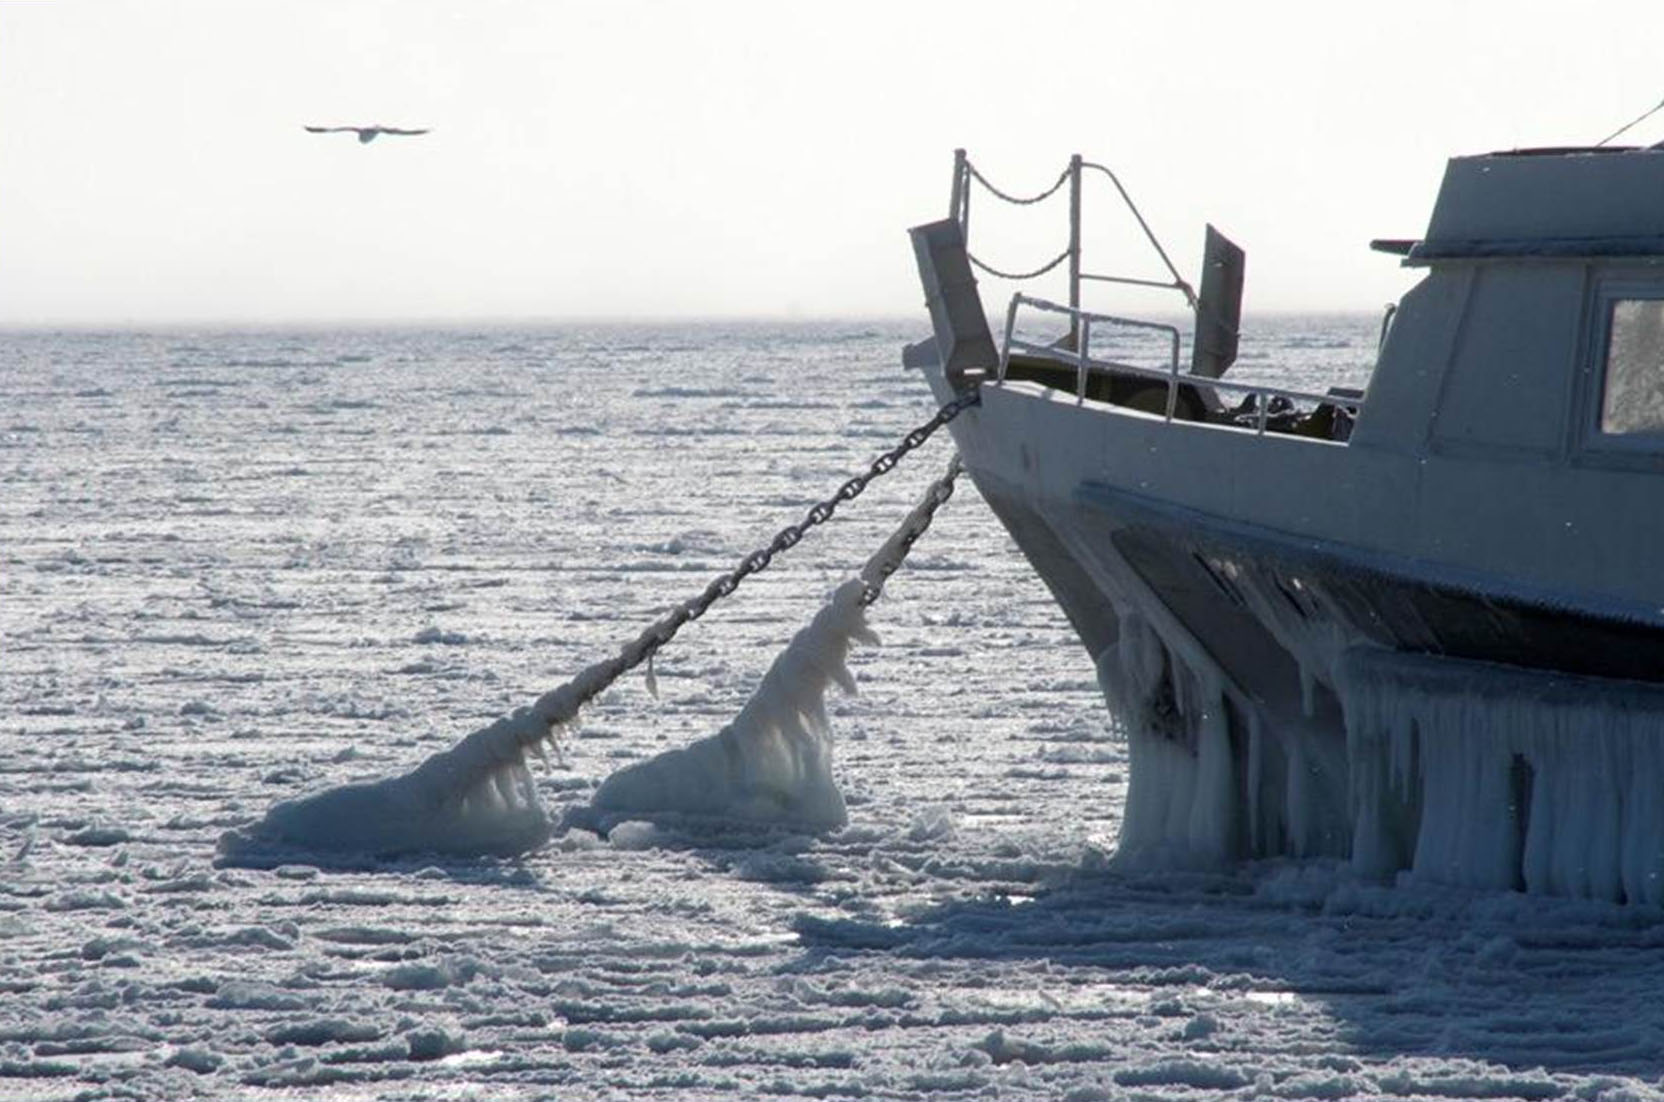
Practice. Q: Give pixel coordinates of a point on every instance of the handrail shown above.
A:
(1178, 280)
(1085, 364)
(959, 210)
(1062, 179)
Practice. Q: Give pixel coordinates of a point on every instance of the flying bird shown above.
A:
(366, 134)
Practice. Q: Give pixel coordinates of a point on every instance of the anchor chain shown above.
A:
(649, 641)
(888, 558)
(559, 707)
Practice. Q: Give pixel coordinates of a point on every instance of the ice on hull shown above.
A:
(1518, 779)
(1268, 715)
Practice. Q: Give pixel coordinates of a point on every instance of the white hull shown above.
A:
(1435, 648)
(1270, 707)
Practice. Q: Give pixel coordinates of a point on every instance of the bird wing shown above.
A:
(328, 129)
(396, 130)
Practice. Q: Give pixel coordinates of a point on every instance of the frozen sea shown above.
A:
(239, 566)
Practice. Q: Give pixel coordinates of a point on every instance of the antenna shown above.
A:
(1641, 118)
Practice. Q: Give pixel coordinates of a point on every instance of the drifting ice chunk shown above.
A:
(773, 763)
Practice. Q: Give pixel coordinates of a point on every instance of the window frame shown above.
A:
(1644, 448)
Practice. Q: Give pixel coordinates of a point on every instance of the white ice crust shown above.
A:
(773, 763)
(1451, 771)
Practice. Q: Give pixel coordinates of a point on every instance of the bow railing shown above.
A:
(959, 209)
(1260, 400)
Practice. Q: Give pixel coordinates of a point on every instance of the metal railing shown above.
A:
(959, 209)
(1080, 358)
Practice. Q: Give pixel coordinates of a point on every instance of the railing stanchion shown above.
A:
(1074, 242)
(1173, 377)
(955, 207)
(1010, 325)
(1083, 358)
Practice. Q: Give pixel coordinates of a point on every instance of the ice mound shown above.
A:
(477, 798)
(773, 763)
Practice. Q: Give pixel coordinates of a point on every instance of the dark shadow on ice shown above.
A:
(1510, 979)
(300, 862)
(773, 853)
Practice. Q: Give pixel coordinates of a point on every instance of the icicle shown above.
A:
(1213, 806)
(503, 782)
(651, 679)
(1295, 799)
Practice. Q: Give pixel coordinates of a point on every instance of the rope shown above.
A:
(1060, 258)
(1047, 194)
(1632, 122)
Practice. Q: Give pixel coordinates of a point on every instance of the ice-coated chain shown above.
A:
(645, 645)
(888, 558)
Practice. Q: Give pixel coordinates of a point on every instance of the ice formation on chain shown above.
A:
(475, 798)
(773, 763)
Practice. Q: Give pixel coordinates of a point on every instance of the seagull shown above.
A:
(366, 134)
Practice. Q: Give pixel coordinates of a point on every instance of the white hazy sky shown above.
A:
(626, 158)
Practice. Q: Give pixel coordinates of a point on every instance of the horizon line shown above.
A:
(506, 321)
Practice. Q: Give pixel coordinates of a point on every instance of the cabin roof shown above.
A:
(1576, 202)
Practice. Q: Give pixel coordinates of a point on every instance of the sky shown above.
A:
(631, 159)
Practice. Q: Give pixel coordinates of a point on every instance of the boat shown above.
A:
(1416, 626)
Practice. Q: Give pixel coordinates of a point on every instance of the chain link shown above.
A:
(1036, 273)
(645, 645)
(1021, 202)
(790, 535)
(889, 557)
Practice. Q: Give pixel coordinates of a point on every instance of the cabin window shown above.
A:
(1634, 398)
